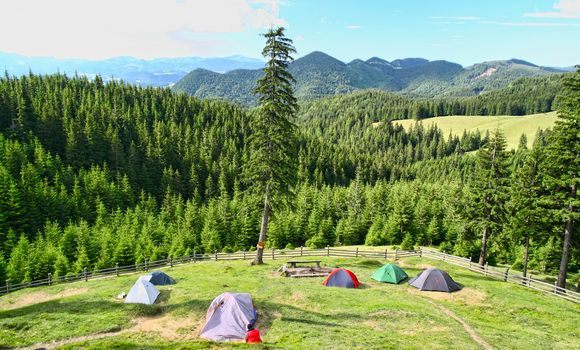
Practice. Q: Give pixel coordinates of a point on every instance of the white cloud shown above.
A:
(141, 28)
(353, 26)
(532, 24)
(299, 37)
(564, 9)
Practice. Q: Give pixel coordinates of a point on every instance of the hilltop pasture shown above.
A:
(512, 126)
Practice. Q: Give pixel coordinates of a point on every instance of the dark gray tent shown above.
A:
(434, 280)
(158, 278)
(228, 317)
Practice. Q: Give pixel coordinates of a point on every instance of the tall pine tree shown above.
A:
(562, 170)
(486, 202)
(272, 166)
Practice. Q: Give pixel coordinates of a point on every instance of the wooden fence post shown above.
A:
(505, 276)
(85, 273)
(356, 252)
(396, 254)
(485, 268)
(117, 269)
(194, 255)
(420, 252)
(469, 264)
(301, 250)
(327, 250)
(7, 286)
(444, 256)
(273, 255)
(216, 255)
(385, 254)
(171, 261)
(49, 278)
(146, 267)
(555, 287)
(244, 254)
(530, 280)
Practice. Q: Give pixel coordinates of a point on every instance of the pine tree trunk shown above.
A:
(526, 255)
(567, 242)
(263, 230)
(483, 247)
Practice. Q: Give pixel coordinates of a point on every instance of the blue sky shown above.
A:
(545, 32)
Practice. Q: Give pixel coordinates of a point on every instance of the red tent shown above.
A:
(341, 278)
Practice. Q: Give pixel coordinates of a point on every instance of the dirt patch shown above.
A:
(297, 296)
(392, 314)
(40, 297)
(168, 327)
(402, 263)
(408, 332)
(374, 325)
(467, 296)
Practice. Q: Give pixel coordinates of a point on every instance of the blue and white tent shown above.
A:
(142, 292)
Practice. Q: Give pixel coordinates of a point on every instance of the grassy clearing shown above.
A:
(512, 126)
(294, 313)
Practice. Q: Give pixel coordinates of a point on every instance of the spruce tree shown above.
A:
(526, 215)
(561, 176)
(272, 165)
(486, 202)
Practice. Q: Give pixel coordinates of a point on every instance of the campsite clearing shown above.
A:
(378, 315)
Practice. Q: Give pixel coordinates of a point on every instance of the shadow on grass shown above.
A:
(91, 307)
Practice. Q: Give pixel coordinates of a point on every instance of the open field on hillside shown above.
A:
(512, 126)
(293, 313)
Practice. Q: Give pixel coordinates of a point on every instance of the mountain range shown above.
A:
(155, 72)
(318, 74)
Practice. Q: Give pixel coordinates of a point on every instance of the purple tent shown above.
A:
(228, 317)
(434, 280)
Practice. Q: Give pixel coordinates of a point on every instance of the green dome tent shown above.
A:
(390, 273)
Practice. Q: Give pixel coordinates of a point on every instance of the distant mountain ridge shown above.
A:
(155, 72)
(319, 75)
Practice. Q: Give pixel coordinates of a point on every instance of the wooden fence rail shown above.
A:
(274, 254)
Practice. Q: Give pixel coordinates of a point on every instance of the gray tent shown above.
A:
(142, 292)
(158, 278)
(228, 317)
(434, 280)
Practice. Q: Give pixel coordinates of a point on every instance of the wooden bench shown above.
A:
(294, 263)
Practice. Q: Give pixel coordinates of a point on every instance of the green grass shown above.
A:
(296, 313)
(512, 126)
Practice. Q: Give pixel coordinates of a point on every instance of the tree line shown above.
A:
(95, 174)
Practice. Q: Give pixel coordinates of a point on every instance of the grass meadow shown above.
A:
(294, 313)
(512, 126)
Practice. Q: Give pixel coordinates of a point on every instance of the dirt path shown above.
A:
(465, 325)
(167, 327)
(54, 344)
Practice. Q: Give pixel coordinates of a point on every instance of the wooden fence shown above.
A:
(274, 254)
(271, 254)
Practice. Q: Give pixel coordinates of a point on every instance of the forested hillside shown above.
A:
(318, 75)
(95, 174)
